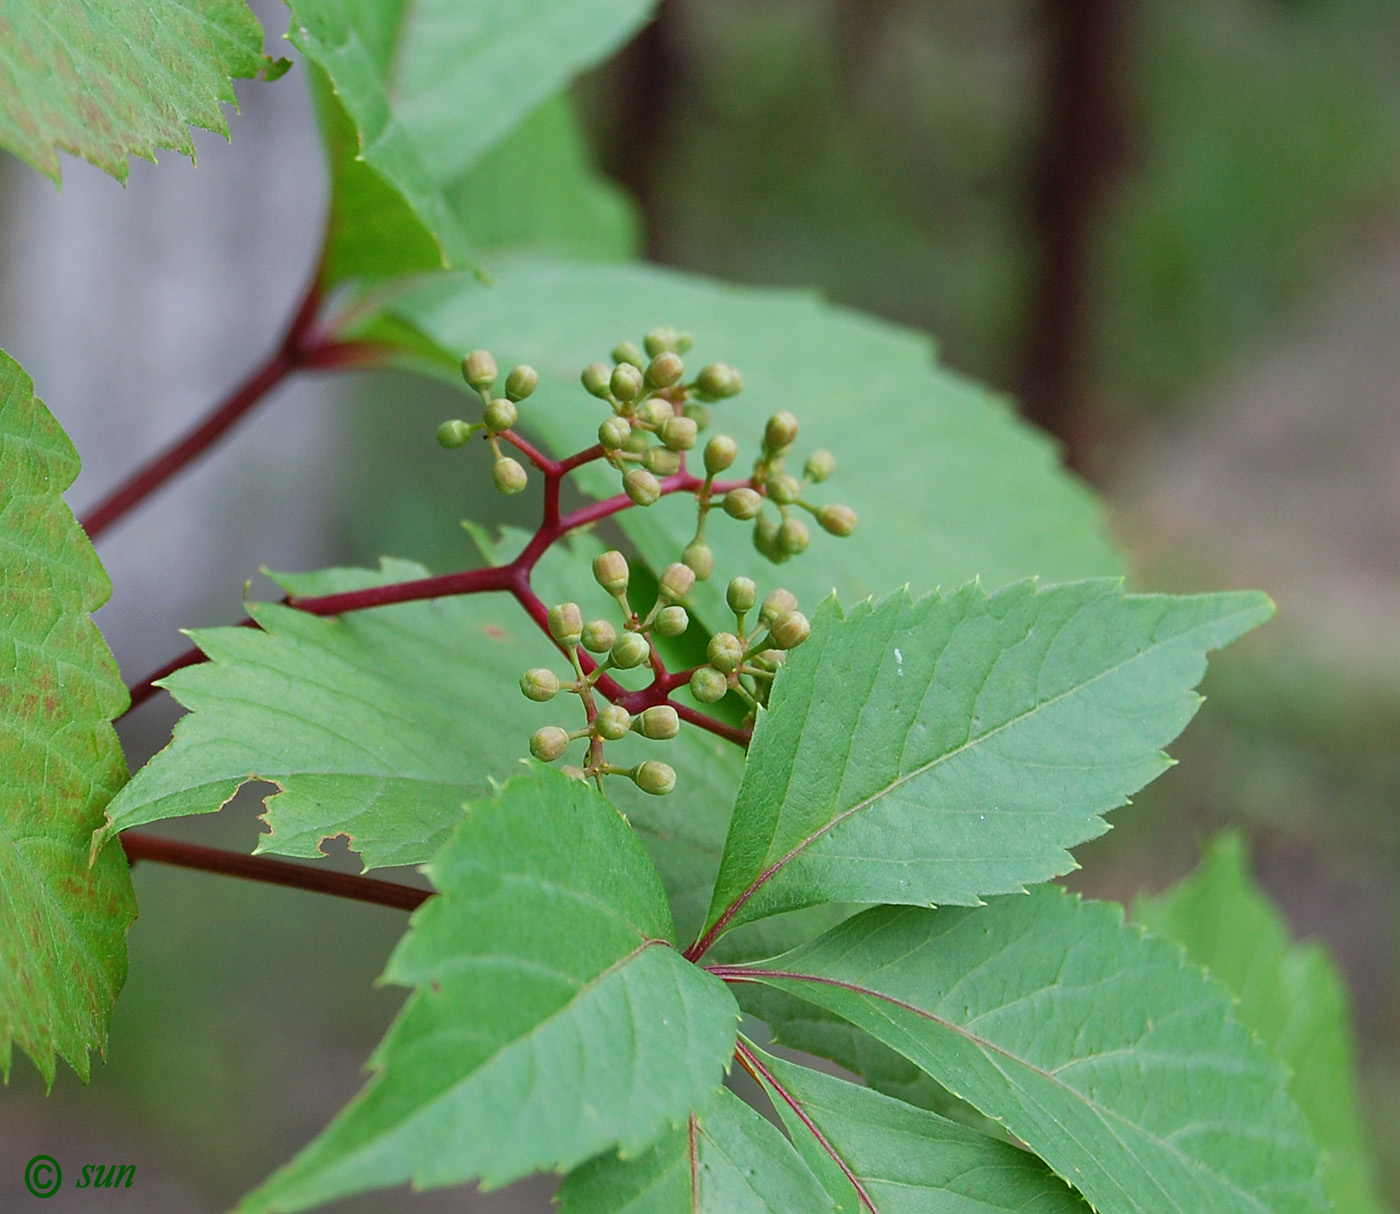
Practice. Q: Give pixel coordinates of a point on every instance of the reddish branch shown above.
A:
(140, 846)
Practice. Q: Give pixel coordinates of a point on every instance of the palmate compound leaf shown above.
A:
(1096, 1045)
(1289, 994)
(933, 751)
(552, 1018)
(108, 79)
(727, 1160)
(381, 723)
(412, 98)
(905, 1160)
(947, 483)
(63, 924)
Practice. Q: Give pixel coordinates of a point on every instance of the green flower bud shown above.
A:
(665, 369)
(725, 652)
(500, 415)
(662, 460)
(671, 621)
(614, 433)
(566, 624)
(839, 520)
(720, 452)
(778, 603)
(698, 414)
(573, 772)
(627, 352)
(765, 540)
(793, 536)
(549, 743)
(612, 722)
(509, 475)
(637, 442)
(595, 379)
(454, 433)
(641, 487)
(521, 382)
(741, 595)
(658, 411)
(820, 465)
(678, 433)
(780, 432)
(659, 723)
(742, 503)
(784, 489)
(708, 686)
(629, 650)
(659, 341)
(610, 571)
(540, 685)
(479, 370)
(717, 381)
(626, 382)
(676, 583)
(789, 630)
(769, 659)
(598, 636)
(700, 557)
(655, 778)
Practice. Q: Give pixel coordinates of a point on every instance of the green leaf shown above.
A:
(727, 1160)
(948, 484)
(906, 1160)
(1115, 1062)
(108, 79)
(937, 750)
(552, 1018)
(381, 723)
(419, 94)
(63, 924)
(1291, 995)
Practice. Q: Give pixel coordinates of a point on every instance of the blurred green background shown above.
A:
(1195, 202)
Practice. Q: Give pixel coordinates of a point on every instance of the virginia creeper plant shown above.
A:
(775, 737)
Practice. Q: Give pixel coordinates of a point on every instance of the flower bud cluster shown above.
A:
(617, 648)
(744, 661)
(498, 415)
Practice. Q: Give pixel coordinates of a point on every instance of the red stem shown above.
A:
(139, 846)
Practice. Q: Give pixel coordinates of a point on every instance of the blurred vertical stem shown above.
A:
(1082, 148)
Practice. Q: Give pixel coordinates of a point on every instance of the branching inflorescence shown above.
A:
(655, 418)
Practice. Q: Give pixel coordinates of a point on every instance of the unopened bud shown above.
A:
(725, 652)
(521, 382)
(741, 595)
(655, 778)
(626, 382)
(708, 686)
(778, 603)
(780, 432)
(659, 723)
(789, 630)
(454, 433)
(793, 536)
(612, 722)
(627, 352)
(566, 624)
(679, 433)
(629, 650)
(701, 558)
(610, 571)
(598, 636)
(720, 452)
(716, 381)
(698, 414)
(637, 442)
(820, 465)
(665, 369)
(540, 685)
(479, 370)
(509, 476)
(662, 461)
(784, 489)
(659, 340)
(837, 519)
(549, 743)
(742, 503)
(500, 415)
(676, 583)
(614, 433)
(671, 621)
(657, 410)
(595, 379)
(643, 488)
(765, 540)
